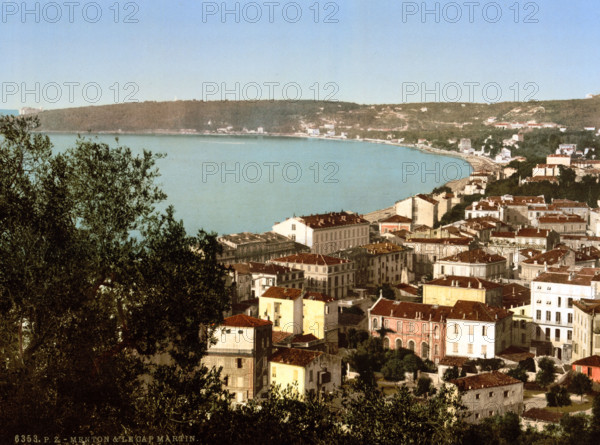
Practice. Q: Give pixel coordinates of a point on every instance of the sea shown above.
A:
(231, 184)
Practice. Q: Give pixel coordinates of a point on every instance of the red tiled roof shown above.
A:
(407, 310)
(281, 336)
(503, 234)
(484, 380)
(550, 257)
(310, 258)
(294, 357)
(266, 268)
(561, 203)
(592, 360)
(561, 219)
(543, 415)
(383, 248)
(474, 256)
(588, 305)
(244, 321)
(464, 282)
(333, 219)
(318, 296)
(476, 311)
(583, 277)
(396, 219)
(429, 199)
(407, 288)
(457, 361)
(283, 293)
(516, 354)
(304, 338)
(450, 241)
(515, 295)
(532, 233)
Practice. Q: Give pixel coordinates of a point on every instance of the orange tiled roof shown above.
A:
(310, 258)
(474, 256)
(464, 282)
(408, 310)
(332, 219)
(592, 360)
(476, 311)
(244, 321)
(294, 357)
(484, 380)
(283, 293)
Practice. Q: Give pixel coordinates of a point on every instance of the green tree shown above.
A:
(519, 373)
(545, 375)
(393, 370)
(580, 384)
(558, 396)
(94, 283)
(450, 374)
(424, 387)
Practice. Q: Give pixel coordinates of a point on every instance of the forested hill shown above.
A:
(290, 117)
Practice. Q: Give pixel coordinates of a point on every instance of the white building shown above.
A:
(471, 263)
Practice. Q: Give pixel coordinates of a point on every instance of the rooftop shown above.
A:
(282, 293)
(429, 199)
(294, 357)
(310, 258)
(332, 219)
(484, 380)
(474, 256)
(237, 239)
(318, 296)
(464, 282)
(583, 277)
(411, 311)
(561, 219)
(476, 311)
(383, 248)
(244, 321)
(592, 360)
(266, 268)
(396, 219)
(450, 241)
(588, 305)
(515, 295)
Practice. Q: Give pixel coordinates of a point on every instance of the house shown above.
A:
(253, 279)
(320, 318)
(564, 224)
(507, 208)
(476, 330)
(305, 370)
(471, 263)
(489, 394)
(242, 348)
(322, 273)
(326, 233)
(282, 306)
(589, 366)
(388, 263)
(517, 299)
(448, 290)
(394, 223)
(421, 209)
(426, 251)
(553, 294)
(558, 159)
(245, 247)
(418, 327)
(552, 170)
(586, 328)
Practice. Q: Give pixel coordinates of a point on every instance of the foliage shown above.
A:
(519, 374)
(545, 375)
(353, 310)
(488, 364)
(558, 396)
(498, 429)
(580, 384)
(424, 387)
(450, 374)
(355, 337)
(386, 291)
(393, 370)
(528, 364)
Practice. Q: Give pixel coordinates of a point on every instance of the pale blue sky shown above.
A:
(371, 55)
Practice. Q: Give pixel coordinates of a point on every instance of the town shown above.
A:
(499, 303)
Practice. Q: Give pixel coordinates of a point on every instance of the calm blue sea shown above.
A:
(234, 184)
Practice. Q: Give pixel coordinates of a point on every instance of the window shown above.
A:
(273, 371)
(374, 323)
(570, 318)
(239, 363)
(226, 380)
(548, 316)
(310, 375)
(569, 335)
(455, 347)
(505, 394)
(557, 334)
(385, 323)
(548, 334)
(558, 317)
(483, 330)
(491, 394)
(471, 330)
(538, 315)
(570, 302)
(476, 396)
(399, 326)
(470, 348)
(293, 226)
(559, 301)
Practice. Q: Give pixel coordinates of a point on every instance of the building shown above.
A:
(558, 159)
(421, 209)
(546, 170)
(418, 327)
(589, 366)
(586, 328)
(394, 223)
(426, 251)
(253, 279)
(282, 306)
(326, 233)
(320, 318)
(564, 224)
(388, 263)
(450, 289)
(507, 208)
(517, 299)
(553, 294)
(242, 348)
(471, 263)
(476, 330)
(246, 247)
(322, 273)
(489, 394)
(305, 370)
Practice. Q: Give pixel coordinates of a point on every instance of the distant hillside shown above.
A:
(287, 117)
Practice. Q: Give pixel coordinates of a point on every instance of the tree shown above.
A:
(94, 283)
(558, 396)
(545, 376)
(528, 364)
(393, 370)
(450, 374)
(519, 373)
(580, 384)
(424, 387)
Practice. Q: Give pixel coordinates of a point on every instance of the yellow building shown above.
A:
(448, 290)
(320, 318)
(282, 306)
(306, 370)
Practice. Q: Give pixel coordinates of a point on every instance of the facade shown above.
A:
(418, 327)
(476, 330)
(305, 370)
(589, 366)
(322, 273)
(507, 208)
(517, 299)
(326, 233)
(553, 294)
(253, 279)
(450, 289)
(282, 306)
(472, 263)
(490, 394)
(586, 328)
(427, 251)
(394, 223)
(421, 209)
(320, 318)
(242, 348)
(245, 247)
(564, 224)
(388, 263)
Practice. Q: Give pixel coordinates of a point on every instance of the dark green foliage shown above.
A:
(519, 373)
(353, 310)
(528, 364)
(387, 291)
(355, 337)
(393, 370)
(488, 364)
(424, 387)
(580, 384)
(545, 376)
(558, 396)
(450, 374)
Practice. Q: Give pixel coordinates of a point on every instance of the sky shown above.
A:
(79, 53)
